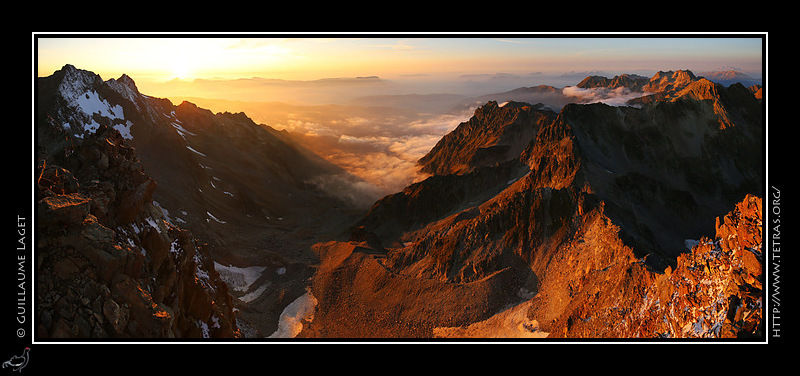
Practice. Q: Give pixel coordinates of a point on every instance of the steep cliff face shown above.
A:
(495, 134)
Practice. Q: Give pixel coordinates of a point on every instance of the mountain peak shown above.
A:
(73, 82)
(127, 81)
(494, 134)
(68, 68)
(730, 76)
(669, 81)
(681, 73)
(630, 81)
(700, 89)
(126, 87)
(188, 105)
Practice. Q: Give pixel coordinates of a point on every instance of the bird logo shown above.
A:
(18, 362)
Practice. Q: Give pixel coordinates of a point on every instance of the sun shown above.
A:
(181, 69)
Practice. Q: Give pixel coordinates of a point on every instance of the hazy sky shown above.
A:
(311, 57)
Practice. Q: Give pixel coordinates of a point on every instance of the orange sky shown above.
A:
(154, 59)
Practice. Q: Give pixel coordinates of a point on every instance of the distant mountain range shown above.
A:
(731, 76)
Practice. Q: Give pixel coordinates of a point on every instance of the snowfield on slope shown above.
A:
(509, 323)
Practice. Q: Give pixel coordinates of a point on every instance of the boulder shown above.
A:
(65, 209)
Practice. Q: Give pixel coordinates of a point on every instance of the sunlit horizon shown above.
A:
(156, 62)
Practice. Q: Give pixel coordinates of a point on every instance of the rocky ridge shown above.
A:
(595, 207)
(629, 81)
(494, 134)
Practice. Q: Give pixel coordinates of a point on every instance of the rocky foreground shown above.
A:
(108, 264)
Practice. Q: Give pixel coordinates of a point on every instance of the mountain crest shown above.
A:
(630, 81)
(496, 133)
(73, 82)
(669, 81)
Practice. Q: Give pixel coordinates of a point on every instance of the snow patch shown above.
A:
(509, 323)
(164, 212)
(153, 224)
(125, 130)
(214, 218)
(525, 293)
(291, 321)
(91, 127)
(690, 243)
(201, 275)
(181, 130)
(197, 152)
(254, 294)
(174, 247)
(239, 279)
(90, 103)
(203, 327)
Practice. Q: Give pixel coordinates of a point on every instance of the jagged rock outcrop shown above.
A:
(670, 81)
(715, 291)
(630, 81)
(757, 91)
(108, 264)
(494, 134)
